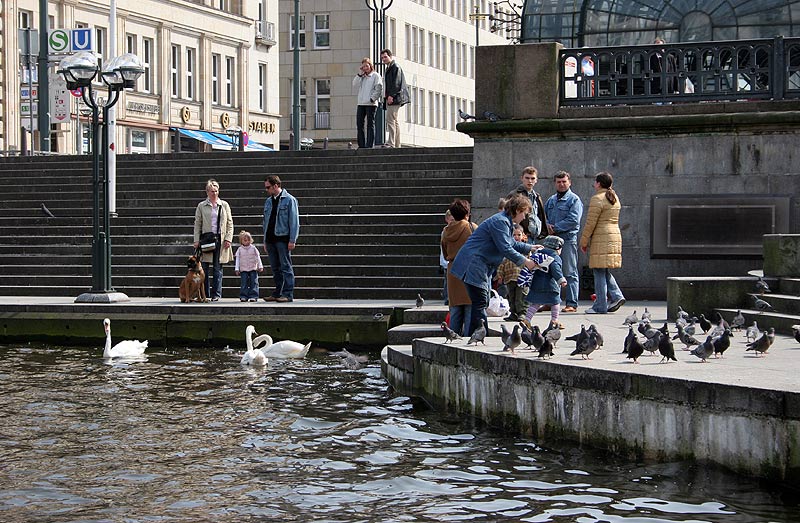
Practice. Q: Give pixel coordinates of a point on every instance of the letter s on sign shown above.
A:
(58, 40)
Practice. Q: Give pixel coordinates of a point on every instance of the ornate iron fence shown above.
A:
(761, 69)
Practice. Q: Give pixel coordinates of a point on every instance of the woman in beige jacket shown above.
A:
(214, 215)
(453, 238)
(601, 235)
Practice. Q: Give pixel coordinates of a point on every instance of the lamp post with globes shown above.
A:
(79, 70)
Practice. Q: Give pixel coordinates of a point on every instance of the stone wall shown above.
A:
(741, 148)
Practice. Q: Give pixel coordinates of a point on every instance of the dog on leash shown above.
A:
(193, 285)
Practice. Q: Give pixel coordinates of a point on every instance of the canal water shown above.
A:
(190, 435)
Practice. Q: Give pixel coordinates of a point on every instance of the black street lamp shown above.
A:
(378, 8)
(79, 70)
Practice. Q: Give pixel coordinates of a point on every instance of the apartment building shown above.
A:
(210, 65)
(432, 40)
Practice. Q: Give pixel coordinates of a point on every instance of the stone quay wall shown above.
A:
(714, 149)
(750, 430)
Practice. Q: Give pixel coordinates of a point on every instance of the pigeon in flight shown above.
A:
(478, 336)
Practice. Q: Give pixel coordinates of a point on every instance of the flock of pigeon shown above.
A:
(643, 336)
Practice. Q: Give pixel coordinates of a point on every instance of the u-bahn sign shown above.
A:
(65, 41)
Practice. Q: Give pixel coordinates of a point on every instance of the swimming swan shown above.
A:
(253, 356)
(123, 349)
(286, 349)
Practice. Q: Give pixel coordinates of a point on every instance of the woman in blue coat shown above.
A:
(485, 249)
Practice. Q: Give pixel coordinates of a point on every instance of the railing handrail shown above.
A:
(767, 68)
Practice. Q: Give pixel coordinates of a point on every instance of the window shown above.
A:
(147, 63)
(421, 99)
(262, 87)
(190, 70)
(100, 36)
(464, 60)
(223, 5)
(392, 34)
(415, 97)
(421, 46)
(457, 56)
(175, 68)
(414, 45)
(322, 31)
(262, 11)
(452, 56)
(324, 95)
(432, 109)
(25, 19)
(408, 41)
(452, 113)
(229, 72)
(431, 50)
(302, 32)
(443, 49)
(130, 43)
(215, 64)
(472, 62)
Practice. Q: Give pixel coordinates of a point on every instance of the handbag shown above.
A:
(208, 240)
(498, 306)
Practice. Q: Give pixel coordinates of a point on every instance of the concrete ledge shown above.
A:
(782, 255)
(701, 295)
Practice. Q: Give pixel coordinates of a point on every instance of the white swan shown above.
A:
(286, 349)
(253, 356)
(123, 349)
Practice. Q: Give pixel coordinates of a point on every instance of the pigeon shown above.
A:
(449, 334)
(587, 346)
(478, 336)
(681, 322)
(514, 340)
(704, 350)
(761, 345)
(592, 330)
(687, 339)
(631, 336)
(546, 350)
(664, 329)
(632, 319)
(46, 211)
(722, 343)
(721, 321)
(762, 305)
(635, 349)
(646, 316)
(651, 344)
(717, 331)
(504, 334)
(579, 337)
(771, 335)
(796, 332)
(537, 340)
(642, 327)
(666, 349)
(738, 321)
(552, 332)
(752, 332)
(489, 115)
(691, 328)
(761, 286)
(704, 324)
(682, 314)
(649, 332)
(350, 360)
(420, 301)
(525, 334)
(465, 116)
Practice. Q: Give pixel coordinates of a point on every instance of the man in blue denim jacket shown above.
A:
(564, 211)
(281, 227)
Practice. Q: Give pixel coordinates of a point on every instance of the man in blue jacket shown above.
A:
(564, 211)
(281, 227)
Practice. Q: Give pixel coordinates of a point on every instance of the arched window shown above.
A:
(576, 23)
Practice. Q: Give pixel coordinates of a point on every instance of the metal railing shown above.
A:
(302, 121)
(322, 120)
(764, 69)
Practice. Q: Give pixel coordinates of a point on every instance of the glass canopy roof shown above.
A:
(578, 23)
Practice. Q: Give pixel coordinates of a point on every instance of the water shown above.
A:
(189, 435)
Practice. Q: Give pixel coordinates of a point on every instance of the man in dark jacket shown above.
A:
(395, 96)
(535, 224)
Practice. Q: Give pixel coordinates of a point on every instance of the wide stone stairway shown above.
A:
(370, 219)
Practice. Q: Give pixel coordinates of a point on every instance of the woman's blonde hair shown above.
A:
(212, 183)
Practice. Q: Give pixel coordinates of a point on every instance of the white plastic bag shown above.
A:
(497, 306)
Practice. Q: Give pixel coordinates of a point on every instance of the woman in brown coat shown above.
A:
(601, 235)
(453, 238)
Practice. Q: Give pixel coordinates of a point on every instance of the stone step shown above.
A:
(780, 321)
(433, 312)
(406, 333)
(789, 286)
(782, 303)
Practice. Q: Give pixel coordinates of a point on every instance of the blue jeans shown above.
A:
(477, 315)
(280, 260)
(604, 282)
(569, 260)
(365, 112)
(460, 318)
(216, 291)
(249, 287)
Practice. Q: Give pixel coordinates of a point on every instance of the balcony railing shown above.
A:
(686, 72)
(265, 32)
(302, 121)
(322, 121)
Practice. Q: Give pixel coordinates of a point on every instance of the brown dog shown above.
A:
(193, 287)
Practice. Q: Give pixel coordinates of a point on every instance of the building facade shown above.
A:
(432, 40)
(209, 65)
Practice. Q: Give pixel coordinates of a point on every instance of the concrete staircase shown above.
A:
(370, 219)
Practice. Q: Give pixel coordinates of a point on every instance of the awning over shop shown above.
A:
(220, 140)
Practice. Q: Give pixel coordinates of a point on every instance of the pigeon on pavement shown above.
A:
(704, 350)
(631, 336)
(592, 330)
(546, 350)
(738, 321)
(449, 334)
(587, 346)
(552, 332)
(646, 316)
(504, 334)
(687, 339)
(796, 332)
(635, 349)
(722, 343)
(631, 319)
(514, 340)
(420, 301)
(666, 349)
(752, 331)
(761, 345)
(704, 324)
(478, 336)
(682, 313)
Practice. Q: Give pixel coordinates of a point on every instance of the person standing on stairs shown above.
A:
(281, 228)
(213, 215)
